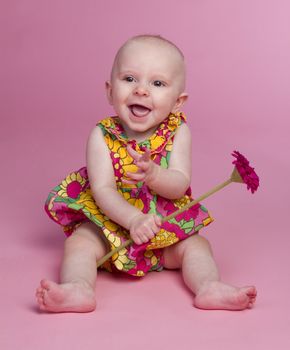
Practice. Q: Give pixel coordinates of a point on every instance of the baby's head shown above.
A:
(147, 81)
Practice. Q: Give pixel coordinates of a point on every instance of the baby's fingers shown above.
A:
(145, 156)
(155, 228)
(135, 155)
(136, 176)
(129, 182)
(137, 240)
(158, 220)
(143, 165)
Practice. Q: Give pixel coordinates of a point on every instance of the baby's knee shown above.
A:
(76, 239)
(199, 242)
(194, 242)
(80, 237)
(89, 236)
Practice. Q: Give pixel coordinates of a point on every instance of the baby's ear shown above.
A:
(109, 92)
(179, 102)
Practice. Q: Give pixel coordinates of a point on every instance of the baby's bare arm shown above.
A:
(102, 181)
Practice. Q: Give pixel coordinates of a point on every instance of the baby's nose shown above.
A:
(141, 90)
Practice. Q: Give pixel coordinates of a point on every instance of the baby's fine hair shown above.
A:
(155, 37)
(148, 37)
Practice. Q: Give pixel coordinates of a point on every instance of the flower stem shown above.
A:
(199, 199)
(114, 251)
(167, 218)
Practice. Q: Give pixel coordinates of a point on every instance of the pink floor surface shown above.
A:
(240, 88)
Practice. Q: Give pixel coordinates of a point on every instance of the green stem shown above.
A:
(197, 200)
(112, 252)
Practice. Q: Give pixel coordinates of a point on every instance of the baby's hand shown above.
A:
(146, 167)
(143, 227)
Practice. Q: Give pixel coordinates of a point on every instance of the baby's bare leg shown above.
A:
(76, 290)
(201, 275)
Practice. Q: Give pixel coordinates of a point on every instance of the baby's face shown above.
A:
(147, 84)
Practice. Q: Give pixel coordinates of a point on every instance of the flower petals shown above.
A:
(246, 172)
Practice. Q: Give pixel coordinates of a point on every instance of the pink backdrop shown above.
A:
(55, 57)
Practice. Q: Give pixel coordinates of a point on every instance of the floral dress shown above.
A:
(71, 202)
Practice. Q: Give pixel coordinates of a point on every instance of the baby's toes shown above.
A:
(251, 292)
(39, 291)
(45, 285)
(252, 300)
(40, 301)
(250, 305)
(38, 295)
(42, 306)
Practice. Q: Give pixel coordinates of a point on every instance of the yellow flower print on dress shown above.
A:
(153, 258)
(180, 203)
(169, 146)
(140, 273)
(71, 186)
(122, 161)
(52, 212)
(114, 240)
(114, 236)
(107, 122)
(173, 121)
(157, 141)
(111, 227)
(136, 202)
(162, 239)
(207, 221)
(86, 200)
(109, 141)
(120, 259)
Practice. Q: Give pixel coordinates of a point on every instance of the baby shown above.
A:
(138, 170)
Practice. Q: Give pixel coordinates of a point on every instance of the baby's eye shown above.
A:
(129, 78)
(158, 83)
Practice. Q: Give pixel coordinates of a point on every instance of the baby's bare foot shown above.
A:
(218, 295)
(66, 297)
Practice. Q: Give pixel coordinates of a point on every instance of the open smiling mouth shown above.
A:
(139, 111)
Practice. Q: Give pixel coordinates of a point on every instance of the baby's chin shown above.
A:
(139, 131)
(142, 128)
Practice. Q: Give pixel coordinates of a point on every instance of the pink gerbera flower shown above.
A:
(243, 172)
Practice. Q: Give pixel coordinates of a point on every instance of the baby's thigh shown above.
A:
(174, 254)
